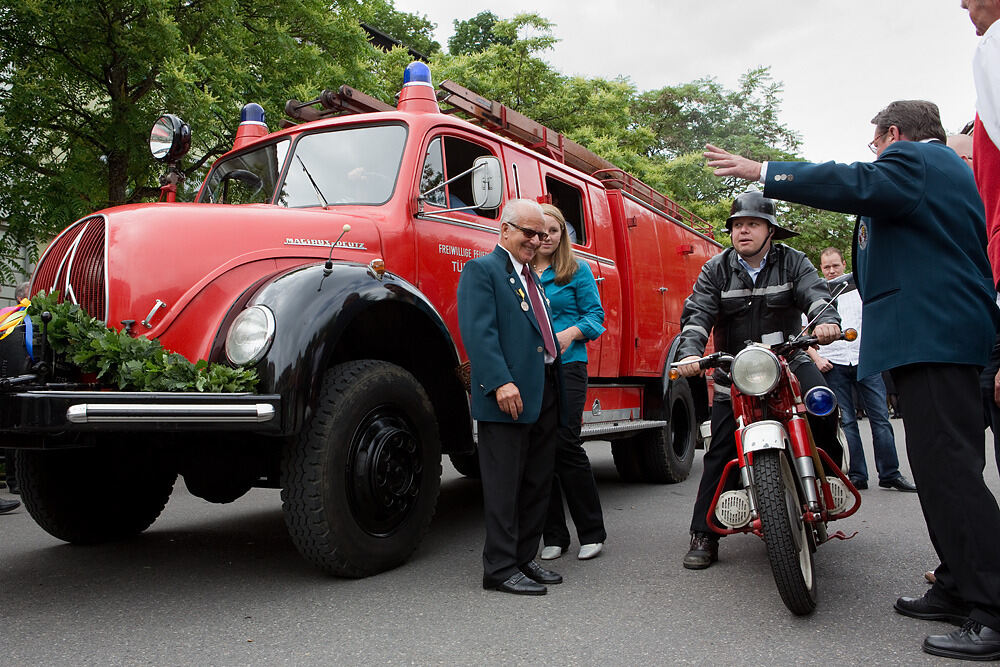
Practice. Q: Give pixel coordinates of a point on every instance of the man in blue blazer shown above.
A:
(930, 318)
(507, 332)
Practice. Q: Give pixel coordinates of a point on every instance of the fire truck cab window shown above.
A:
(248, 178)
(459, 156)
(355, 165)
(432, 174)
(568, 199)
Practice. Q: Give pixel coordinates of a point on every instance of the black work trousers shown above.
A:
(573, 475)
(723, 449)
(946, 449)
(516, 463)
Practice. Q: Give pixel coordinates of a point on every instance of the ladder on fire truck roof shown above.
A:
(511, 124)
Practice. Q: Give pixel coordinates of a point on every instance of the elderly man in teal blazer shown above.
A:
(516, 396)
(930, 318)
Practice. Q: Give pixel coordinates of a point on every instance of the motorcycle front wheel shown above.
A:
(785, 533)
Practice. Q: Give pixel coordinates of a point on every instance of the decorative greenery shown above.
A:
(130, 363)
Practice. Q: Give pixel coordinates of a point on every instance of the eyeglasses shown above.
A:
(871, 144)
(531, 233)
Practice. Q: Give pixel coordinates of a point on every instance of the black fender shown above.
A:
(324, 317)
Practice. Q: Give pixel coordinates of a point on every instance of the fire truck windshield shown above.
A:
(353, 165)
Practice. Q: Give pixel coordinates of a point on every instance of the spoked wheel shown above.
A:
(786, 535)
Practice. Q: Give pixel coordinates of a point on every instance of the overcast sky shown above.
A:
(840, 61)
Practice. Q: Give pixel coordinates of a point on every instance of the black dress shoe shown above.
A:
(539, 574)
(973, 641)
(9, 505)
(518, 584)
(932, 610)
(900, 484)
(860, 484)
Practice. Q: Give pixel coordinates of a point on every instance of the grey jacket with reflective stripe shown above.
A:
(726, 300)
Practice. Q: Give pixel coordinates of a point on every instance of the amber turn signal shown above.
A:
(851, 334)
(377, 267)
(673, 374)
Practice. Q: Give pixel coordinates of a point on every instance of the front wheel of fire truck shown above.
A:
(360, 485)
(94, 494)
(785, 533)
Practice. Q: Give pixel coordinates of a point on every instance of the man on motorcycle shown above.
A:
(753, 292)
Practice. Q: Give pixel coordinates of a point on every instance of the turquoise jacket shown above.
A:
(919, 251)
(576, 303)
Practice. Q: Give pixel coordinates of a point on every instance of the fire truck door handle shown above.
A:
(599, 280)
(662, 290)
(146, 322)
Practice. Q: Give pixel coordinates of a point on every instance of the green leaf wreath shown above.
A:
(138, 364)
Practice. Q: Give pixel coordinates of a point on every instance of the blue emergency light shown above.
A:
(252, 113)
(417, 74)
(820, 401)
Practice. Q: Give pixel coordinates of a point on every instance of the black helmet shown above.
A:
(753, 204)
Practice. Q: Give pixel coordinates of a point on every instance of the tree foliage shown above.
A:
(475, 34)
(414, 31)
(81, 83)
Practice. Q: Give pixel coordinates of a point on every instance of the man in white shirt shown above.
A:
(839, 363)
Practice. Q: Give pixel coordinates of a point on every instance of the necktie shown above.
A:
(539, 310)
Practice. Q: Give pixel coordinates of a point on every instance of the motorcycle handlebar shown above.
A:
(716, 359)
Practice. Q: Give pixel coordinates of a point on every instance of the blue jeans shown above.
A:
(872, 393)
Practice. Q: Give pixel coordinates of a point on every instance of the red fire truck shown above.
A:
(326, 256)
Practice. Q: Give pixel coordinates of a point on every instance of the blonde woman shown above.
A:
(577, 318)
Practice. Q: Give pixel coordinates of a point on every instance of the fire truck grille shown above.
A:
(74, 264)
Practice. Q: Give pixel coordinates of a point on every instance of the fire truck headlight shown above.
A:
(250, 336)
(755, 371)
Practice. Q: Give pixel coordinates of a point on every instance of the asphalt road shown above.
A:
(222, 585)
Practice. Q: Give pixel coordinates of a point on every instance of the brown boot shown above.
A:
(703, 552)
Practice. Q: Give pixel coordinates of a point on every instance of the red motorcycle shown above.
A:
(790, 489)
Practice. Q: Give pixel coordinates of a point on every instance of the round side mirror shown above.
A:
(170, 139)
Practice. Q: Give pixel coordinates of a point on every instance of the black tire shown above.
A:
(466, 464)
(360, 484)
(668, 452)
(789, 547)
(94, 495)
(628, 463)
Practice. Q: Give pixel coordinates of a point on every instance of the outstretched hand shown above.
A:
(727, 164)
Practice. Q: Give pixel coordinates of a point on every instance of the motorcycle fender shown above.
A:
(764, 435)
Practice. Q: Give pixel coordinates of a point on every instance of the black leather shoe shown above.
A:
(518, 584)
(703, 552)
(539, 574)
(973, 641)
(900, 484)
(860, 484)
(9, 505)
(931, 610)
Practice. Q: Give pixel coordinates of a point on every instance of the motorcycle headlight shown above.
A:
(755, 371)
(250, 335)
(820, 401)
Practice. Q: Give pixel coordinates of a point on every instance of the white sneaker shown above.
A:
(551, 553)
(588, 551)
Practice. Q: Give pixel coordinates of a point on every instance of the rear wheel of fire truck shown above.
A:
(786, 535)
(360, 485)
(667, 453)
(95, 494)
